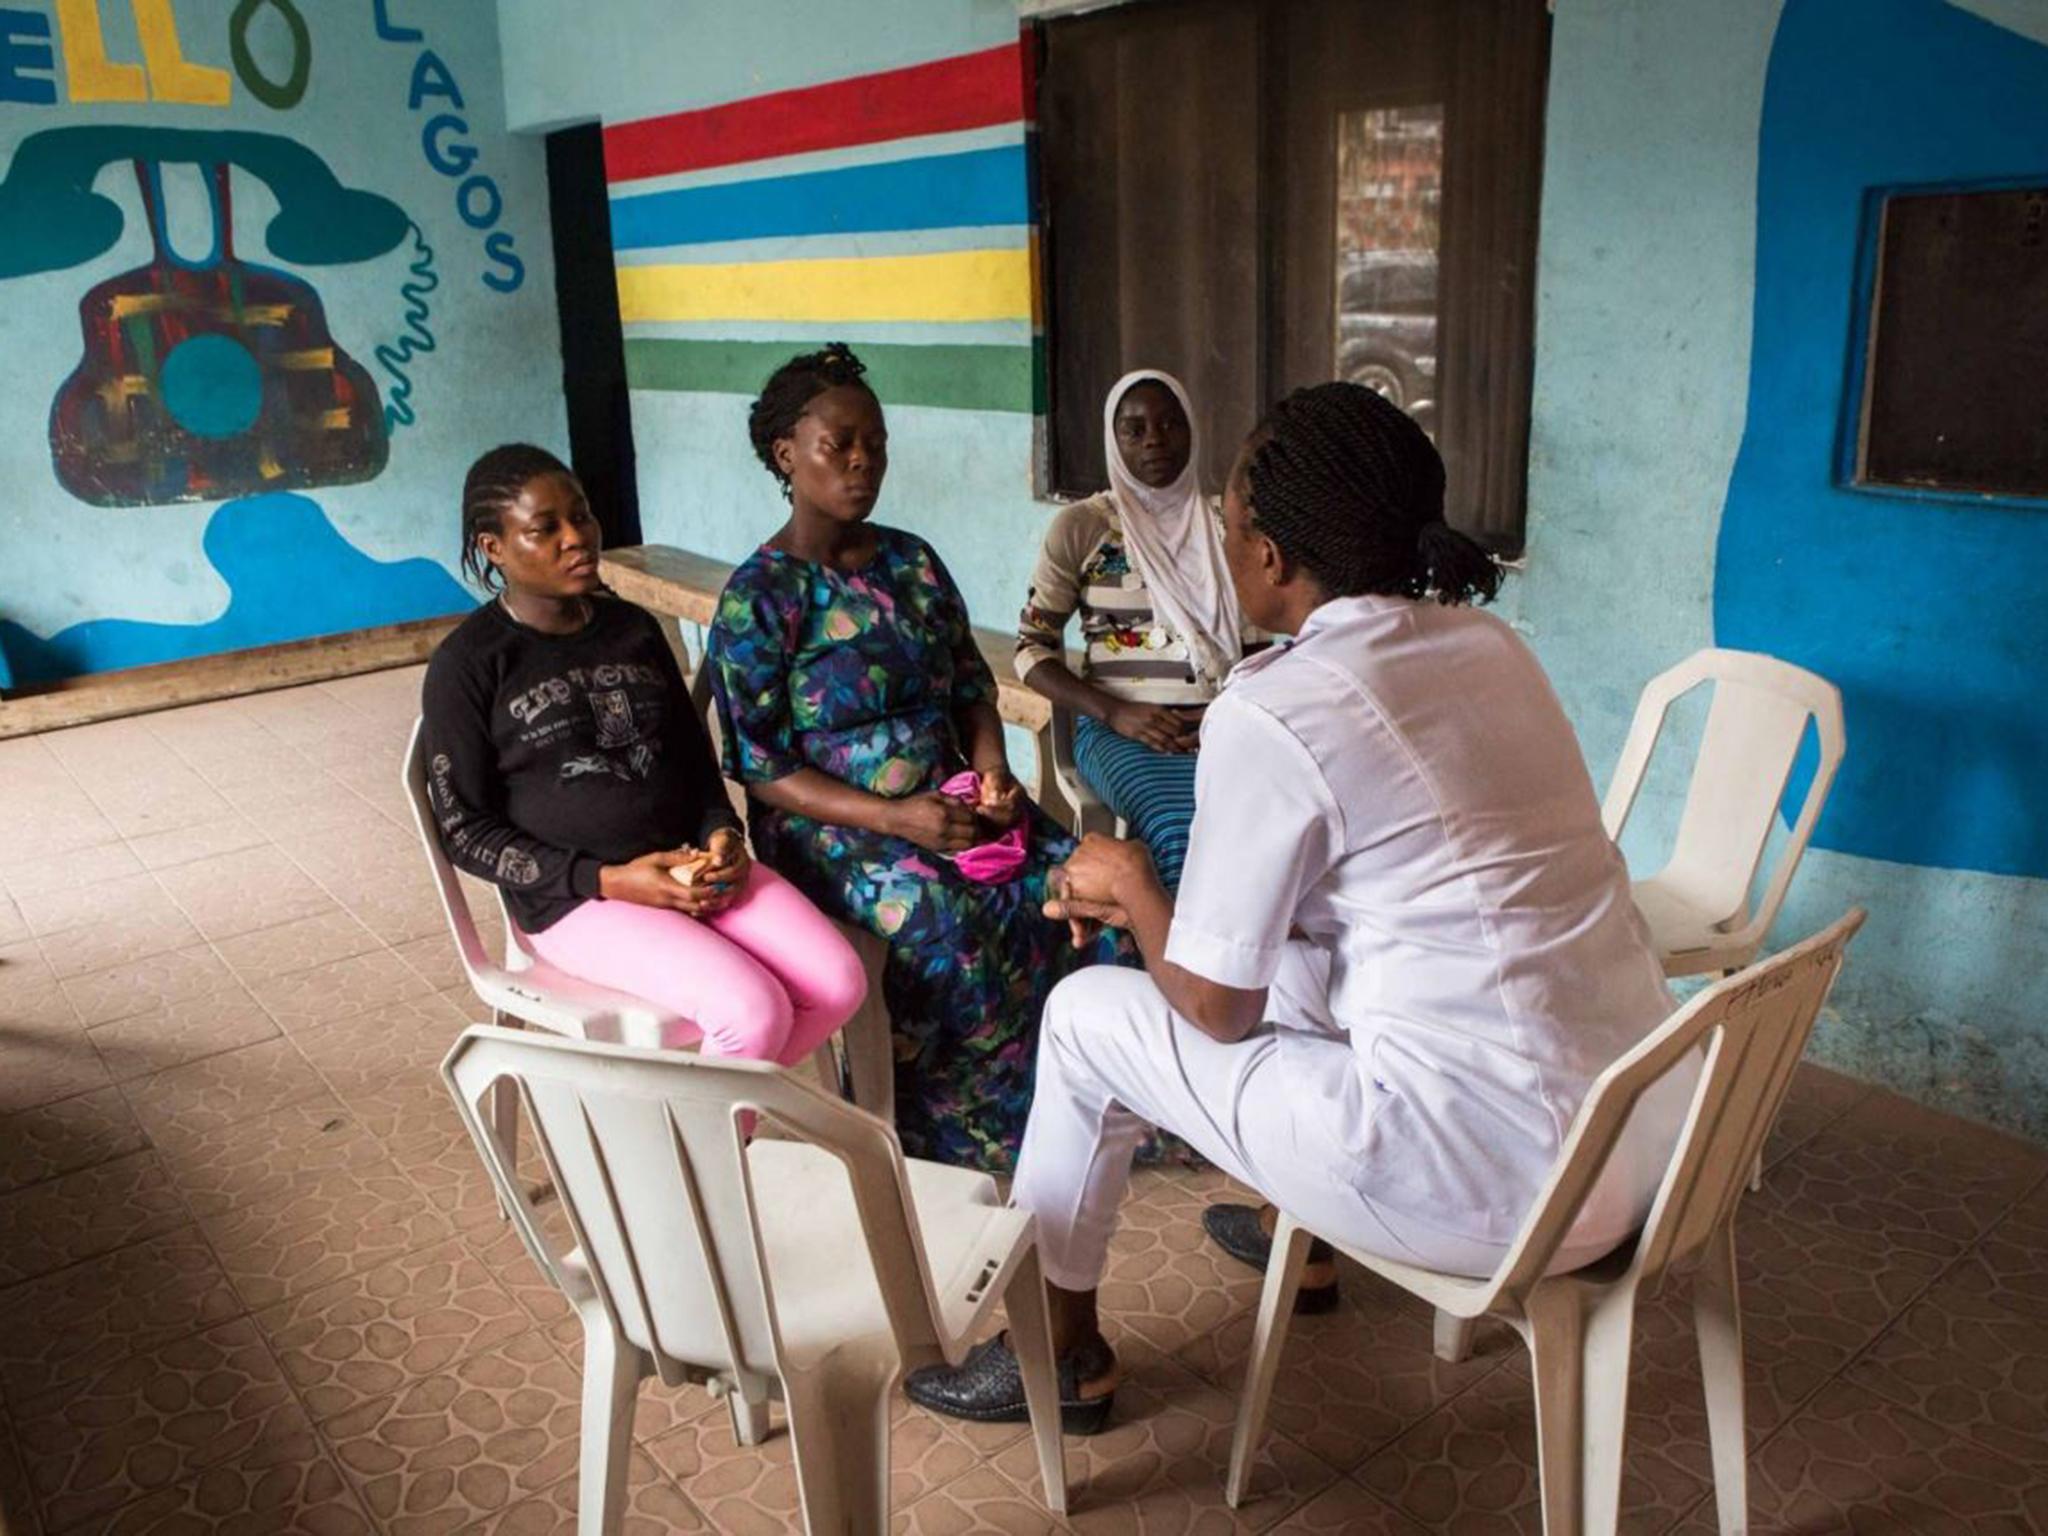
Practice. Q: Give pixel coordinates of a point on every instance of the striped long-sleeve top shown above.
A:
(1084, 569)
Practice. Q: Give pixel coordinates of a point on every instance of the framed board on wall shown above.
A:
(1955, 364)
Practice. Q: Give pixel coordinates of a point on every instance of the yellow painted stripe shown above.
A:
(129, 305)
(948, 285)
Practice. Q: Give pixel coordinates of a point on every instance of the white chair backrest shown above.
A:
(645, 1152)
(1755, 725)
(476, 960)
(1752, 1029)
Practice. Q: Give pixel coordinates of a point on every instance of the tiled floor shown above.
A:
(251, 1279)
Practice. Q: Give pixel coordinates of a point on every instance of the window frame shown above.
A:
(1852, 426)
(1509, 545)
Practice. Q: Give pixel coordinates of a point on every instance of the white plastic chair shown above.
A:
(1579, 1326)
(1697, 905)
(1090, 814)
(816, 1270)
(526, 989)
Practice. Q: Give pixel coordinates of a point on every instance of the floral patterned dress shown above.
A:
(861, 675)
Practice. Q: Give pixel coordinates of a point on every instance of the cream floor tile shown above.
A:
(240, 892)
(339, 989)
(328, 1228)
(654, 1506)
(148, 815)
(24, 971)
(17, 1498)
(141, 985)
(117, 898)
(1471, 1465)
(296, 946)
(120, 940)
(201, 1100)
(201, 840)
(57, 874)
(399, 918)
(55, 1139)
(50, 1225)
(63, 827)
(45, 1053)
(72, 1324)
(187, 1030)
(1852, 1462)
(435, 958)
(153, 1420)
(233, 1164)
(452, 1451)
(266, 1491)
(376, 1333)
(982, 1503)
(253, 760)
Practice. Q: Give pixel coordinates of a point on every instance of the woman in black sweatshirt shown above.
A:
(566, 766)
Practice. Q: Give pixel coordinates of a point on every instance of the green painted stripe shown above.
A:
(963, 377)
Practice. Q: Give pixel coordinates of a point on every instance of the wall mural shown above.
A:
(1925, 609)
(205, 378)
(247, 376)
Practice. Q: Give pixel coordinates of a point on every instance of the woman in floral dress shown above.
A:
(849, 690)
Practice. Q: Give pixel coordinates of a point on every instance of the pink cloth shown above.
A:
(767, 979)
(993, 863)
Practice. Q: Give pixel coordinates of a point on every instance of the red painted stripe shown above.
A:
(972, 90)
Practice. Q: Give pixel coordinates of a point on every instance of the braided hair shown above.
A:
(1350, 488)
(792, 387)
(493, 484)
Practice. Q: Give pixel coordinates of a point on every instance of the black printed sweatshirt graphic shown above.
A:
(551, 756)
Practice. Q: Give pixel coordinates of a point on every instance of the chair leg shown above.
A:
(1269, 1338)
(1579, 1340)
(612, 1369)
(839, 1428)
(1717, 1315)
(748, 1404)
(1031, 1338)
(1454, 1337)
(870, 1046)
(502, 1113)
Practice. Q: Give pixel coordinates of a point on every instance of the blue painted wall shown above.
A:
(1925, 611)
(204, 454)
(1706, 169)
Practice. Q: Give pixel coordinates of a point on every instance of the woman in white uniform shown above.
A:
(1403, 946)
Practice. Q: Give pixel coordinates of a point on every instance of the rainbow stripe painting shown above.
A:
(892, 211)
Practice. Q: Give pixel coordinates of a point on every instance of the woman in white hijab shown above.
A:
(1142, 567)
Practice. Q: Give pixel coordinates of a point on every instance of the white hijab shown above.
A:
(1172, 539)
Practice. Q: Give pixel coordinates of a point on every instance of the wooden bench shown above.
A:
(684, 587)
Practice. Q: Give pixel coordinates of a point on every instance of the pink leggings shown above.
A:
(767, 979)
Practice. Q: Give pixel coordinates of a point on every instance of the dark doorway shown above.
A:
(593, 345)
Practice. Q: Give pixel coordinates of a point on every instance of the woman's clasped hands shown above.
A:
(1088, 891)
(697, 882)
(947, 825)
(1158, 726)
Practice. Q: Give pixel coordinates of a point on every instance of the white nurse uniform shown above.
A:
(1395, 834)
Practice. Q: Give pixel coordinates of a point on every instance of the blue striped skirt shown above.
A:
(1153, 791)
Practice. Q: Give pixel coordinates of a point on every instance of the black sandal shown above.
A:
(1236, 1230)
(988, 1386)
